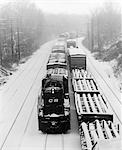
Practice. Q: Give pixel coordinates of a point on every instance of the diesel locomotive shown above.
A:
(53, 98)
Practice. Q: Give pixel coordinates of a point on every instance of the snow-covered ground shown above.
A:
(18, 106)
(18, 110)
(108, 69)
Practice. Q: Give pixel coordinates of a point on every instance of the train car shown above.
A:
(95, 118)
(58, 49)
(94, 134)
(77, 59)
(53, 104)
(53, 98)
(90, 103)
(71, 43)
(57, 60)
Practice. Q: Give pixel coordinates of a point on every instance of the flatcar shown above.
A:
(95, 118)
(97, 132)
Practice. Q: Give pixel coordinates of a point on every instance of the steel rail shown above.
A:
(10, 129)
(108, 87)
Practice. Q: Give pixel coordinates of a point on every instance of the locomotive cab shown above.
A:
(53, 105)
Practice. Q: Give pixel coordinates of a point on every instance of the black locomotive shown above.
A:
(53, 97)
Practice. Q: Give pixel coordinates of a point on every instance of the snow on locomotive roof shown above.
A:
(76, 52)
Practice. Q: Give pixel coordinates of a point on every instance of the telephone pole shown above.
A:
(2, 38)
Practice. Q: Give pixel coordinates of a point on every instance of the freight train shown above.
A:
(53, 97)
(95, 118)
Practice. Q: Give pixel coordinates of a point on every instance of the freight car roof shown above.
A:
(76, 52)
(57, 77)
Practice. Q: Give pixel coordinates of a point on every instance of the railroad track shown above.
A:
(112, 107)
(99, 73)
(109, 87)
(13, 93)
(10, 91)
(10, 98)
(16, 115)
(51, 145)
(106, 82)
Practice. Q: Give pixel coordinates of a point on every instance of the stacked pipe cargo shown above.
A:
(95, 118)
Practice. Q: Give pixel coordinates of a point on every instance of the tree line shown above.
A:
(24, 27)
(21, 31)
(104, 35)
(103, 27)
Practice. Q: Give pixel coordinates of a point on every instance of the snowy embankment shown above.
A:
(109, 85)
(107, 68)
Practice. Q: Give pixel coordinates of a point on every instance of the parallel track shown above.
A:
(47, 138)
(112, 107)
(105, 82)
(16, 79)
(22, 105)
(45, 144)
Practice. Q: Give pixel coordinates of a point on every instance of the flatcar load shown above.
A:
(95, 117)
(81, 74)
(91, 133)
(91, 106)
